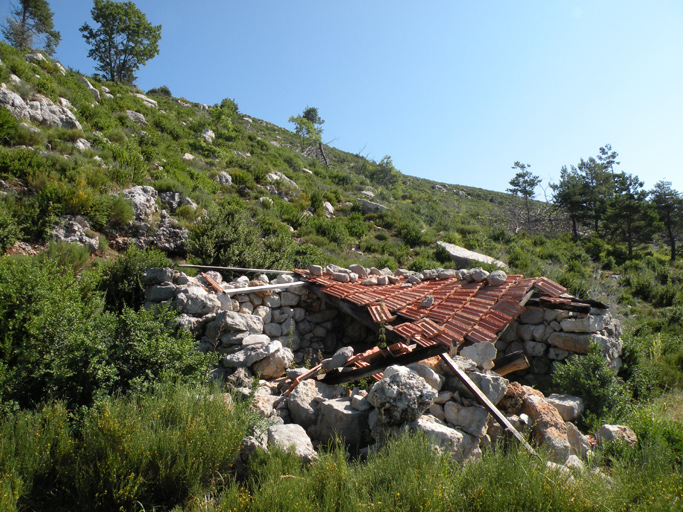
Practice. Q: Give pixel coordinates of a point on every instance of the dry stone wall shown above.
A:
(548, 336)
(287, 325)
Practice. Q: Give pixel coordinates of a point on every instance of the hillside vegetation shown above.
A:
(104, 407)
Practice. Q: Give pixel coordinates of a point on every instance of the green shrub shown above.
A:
(71, 257)
(228, 237)
(121, 278)
(160, 91)
(9, 230)
(589, 377)
(53, 335)
(36, 452)
(157, 450)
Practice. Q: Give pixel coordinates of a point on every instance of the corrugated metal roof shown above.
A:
(459, 310)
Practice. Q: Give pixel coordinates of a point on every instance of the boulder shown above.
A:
(143, 199)
(371, 207)
(481, 353)
(609, 433)
(93, 90)
(490, 383)
(587, 324)
(249, 355)
(277, 176)
(496, 278)
(570, 407)
(571, 342)
(459, 445)
(400, 396)
(157, 276)
(578, 443)
(147, 101)
(208, 135)
(338, 418)
(471, 420)
(136, 118)
(72, 230)
(303, 402)
(39, 109)
(160, 292)
(532, 316)
(292, 437)
(234, 321)
(431, 377)
(464, 257)
(224, 178)
(339, 358)
(82, 144)
(549, 427)
(167, 238)
(274, 365)
(196, 301)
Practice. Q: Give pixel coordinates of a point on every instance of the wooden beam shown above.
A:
(235, 269)
(510, 363)
(483, 400)
(381, 362)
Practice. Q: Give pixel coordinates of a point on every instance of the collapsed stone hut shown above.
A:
(334, 318)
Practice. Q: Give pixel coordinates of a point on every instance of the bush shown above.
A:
(53, 335)
(157, 450)
(145, 348)
(9, 230)
(229, 238)
(121, 278)
(589, 377)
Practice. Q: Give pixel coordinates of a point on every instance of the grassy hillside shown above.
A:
(96, 393)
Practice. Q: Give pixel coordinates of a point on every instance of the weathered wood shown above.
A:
(483, 400)
(527, 297)
(212, 283)
(510, 363)
(359, 313)
(381, 362)
(235, 269)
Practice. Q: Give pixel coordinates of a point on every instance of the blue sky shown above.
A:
(454, 91)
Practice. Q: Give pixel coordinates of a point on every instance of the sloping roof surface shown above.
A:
(460, 311)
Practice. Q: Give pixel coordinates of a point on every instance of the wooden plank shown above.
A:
(235, 269)
(483, 400)
(510, 363)
(212, 284)
(380, 363)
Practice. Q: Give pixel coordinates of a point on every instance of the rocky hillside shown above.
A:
(108, 166)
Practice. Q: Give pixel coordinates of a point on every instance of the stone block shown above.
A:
(570, 407)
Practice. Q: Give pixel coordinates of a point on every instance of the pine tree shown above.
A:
(29, 27)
